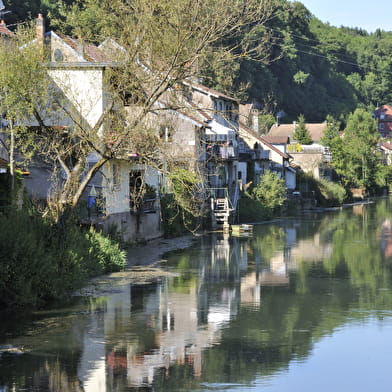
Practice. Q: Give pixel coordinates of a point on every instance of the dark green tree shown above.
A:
(331, 132)
(355, 155)
(301, 133)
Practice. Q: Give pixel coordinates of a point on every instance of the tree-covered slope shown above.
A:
(308, 67)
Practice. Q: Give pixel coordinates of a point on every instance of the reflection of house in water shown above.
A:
(171, 325)
(386, 238)
(312, 249)
(148, 329)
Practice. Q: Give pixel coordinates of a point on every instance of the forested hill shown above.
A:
(313, 68)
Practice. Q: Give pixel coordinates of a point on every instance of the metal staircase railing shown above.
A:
(223, 205)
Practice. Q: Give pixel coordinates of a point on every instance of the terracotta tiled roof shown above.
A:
(387, 146)
(89, 51)
(277, 139)
(4, 30)
(287, 130)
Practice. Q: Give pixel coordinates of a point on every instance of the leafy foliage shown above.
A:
(271, 191)
(355, 156)
(250, 210)
(37, 264)
(301, 133)
(341, 67)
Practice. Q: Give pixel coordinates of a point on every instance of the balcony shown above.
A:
(145, 206)
(221, 152)
(262, 154)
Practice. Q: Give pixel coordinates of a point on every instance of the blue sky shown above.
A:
(365, 14)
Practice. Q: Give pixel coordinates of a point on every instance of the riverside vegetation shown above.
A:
(40, 263)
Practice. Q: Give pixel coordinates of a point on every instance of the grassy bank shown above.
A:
(39, 263)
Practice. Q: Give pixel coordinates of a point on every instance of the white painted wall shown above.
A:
(117, 195)
(84, 90)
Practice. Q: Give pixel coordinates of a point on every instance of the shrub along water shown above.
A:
(38, 264)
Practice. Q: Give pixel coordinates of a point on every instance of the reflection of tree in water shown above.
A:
(47, 363)
(323, 294)
(221, 320)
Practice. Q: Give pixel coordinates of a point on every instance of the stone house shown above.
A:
(77, 71)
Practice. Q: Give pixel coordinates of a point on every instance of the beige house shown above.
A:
(386, 150)
(315, 130)
(313, 158)
(77, 72)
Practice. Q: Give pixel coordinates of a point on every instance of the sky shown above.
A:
(368, 15)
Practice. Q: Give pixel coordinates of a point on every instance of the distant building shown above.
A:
(383, 115)
(282, 131)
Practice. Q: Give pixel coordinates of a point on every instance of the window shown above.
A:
(116, 176)
(166, 133)
(135, 189)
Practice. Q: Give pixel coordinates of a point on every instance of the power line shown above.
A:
(313, 48)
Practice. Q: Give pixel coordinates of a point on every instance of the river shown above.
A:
(304, 304)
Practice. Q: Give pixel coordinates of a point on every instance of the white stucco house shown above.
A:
(267, 156)
(77, 71)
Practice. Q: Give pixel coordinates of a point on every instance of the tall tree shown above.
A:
(301, 133)
(355, 155)
(331, 132)
(162, 43)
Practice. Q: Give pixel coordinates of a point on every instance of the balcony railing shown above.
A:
(216, 151)
(262, 154)
(147, 205)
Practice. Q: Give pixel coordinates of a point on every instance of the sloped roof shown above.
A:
(287, 130)
(88, 51)
(387, 146)
(188, 114)
(213, 92)
(4, 29)
(246, 131)
(277, 139)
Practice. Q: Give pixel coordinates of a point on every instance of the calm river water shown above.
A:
(303, 305)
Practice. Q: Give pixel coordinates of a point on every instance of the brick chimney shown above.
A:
(40, 29)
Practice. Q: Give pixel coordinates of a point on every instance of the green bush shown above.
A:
(40, 263)
(251, 210)
(271, 191)
(332, 193)
(326, 193)
(175, 219)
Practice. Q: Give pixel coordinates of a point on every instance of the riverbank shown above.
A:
(143, 261)
(142, 268)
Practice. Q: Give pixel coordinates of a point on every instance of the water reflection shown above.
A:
(240, 312)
